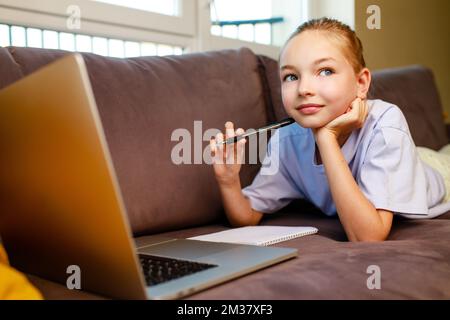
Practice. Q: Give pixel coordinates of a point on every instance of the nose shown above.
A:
(305, 87)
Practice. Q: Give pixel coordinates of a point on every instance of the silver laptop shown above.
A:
(61, 204)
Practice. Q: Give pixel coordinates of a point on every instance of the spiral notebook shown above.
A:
(257, 235)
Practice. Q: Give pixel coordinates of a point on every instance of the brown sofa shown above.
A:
(143, 100)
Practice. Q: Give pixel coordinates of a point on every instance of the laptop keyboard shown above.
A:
(160, 269)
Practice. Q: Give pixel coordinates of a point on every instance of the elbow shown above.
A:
(252, 220)
(243, 223)
(239, 224)
(375, 231)
(370, 237)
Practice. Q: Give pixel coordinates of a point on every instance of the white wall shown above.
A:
(294, 15)
(296, 12)
(343, 10)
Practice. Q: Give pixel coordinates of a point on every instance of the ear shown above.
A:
(364, 79)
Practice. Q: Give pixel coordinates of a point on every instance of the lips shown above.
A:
(309, 108)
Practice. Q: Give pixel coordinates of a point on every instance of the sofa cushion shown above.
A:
(413, 262)
(142, 101)
(414, 90)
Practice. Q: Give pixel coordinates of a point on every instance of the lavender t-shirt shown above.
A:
(381, 156)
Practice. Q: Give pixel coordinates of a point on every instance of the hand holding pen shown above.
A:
(227, 152)
(276, 125)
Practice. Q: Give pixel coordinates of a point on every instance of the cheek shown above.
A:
(287, 95)
(330, 90)
(337, 91)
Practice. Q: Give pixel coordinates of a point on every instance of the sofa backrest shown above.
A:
(412, 89)
(142, 101)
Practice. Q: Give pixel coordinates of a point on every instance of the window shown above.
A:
(167, 7)
(123, 28)
(252, 22)
(50, 39)
(268, 22)
(129, 27)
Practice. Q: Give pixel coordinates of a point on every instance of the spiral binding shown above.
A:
(288, 237)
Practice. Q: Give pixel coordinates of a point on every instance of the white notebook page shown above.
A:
(257, 235)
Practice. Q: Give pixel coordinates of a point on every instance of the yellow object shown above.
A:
(440, 161)
(13, 284)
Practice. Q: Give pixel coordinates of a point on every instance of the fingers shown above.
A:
(229, 133)
(229, 130)
(359, 112)
(364, 111)
(239, 132)
(363, 96)
(217, 149)
(240, 146)
(231, 153)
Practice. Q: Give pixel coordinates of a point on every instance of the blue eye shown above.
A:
(326, 72)
(290, 77)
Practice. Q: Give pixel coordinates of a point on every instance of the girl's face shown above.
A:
(318, 82)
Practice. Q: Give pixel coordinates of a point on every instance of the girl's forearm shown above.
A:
(359, 217)
(237, 207)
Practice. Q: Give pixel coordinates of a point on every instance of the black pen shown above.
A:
(277, 125)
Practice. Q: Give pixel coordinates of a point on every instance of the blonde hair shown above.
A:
(342, 34)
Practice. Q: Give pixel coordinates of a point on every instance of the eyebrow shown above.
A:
(286, 67)
(318, 61)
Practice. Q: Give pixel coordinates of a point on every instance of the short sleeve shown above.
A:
(272, 188)
(392, 176)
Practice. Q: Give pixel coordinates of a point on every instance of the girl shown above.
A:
(347, 155)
